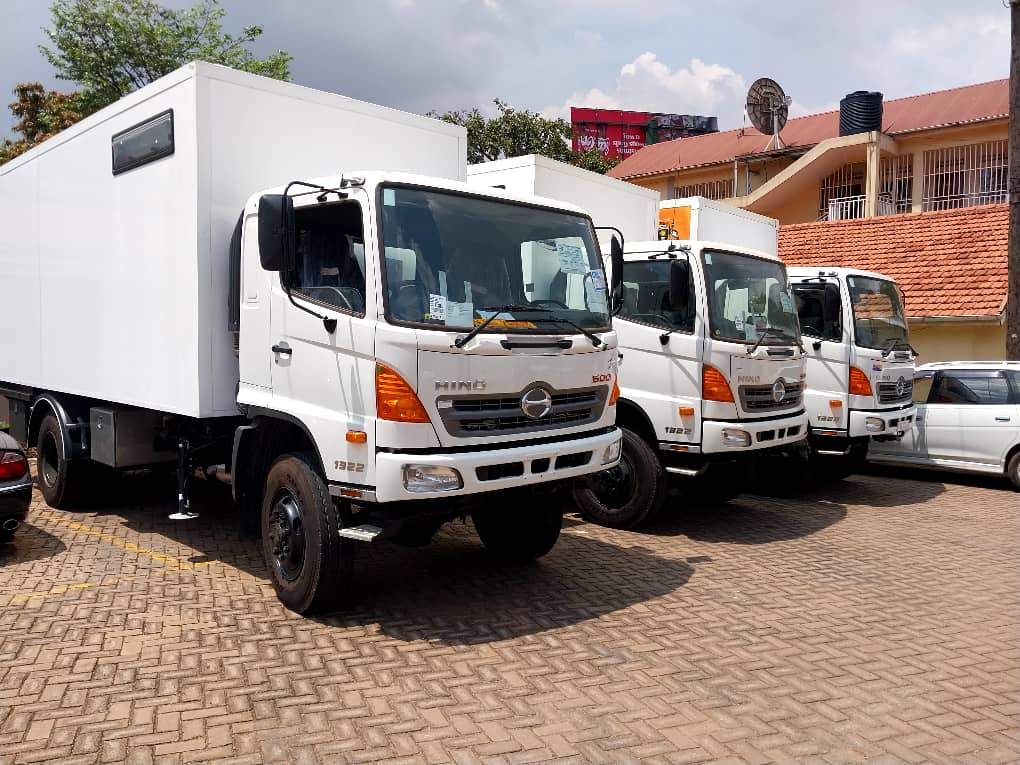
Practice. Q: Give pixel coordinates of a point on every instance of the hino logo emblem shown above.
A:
(778, 391)
(451, 385)
(901, 388)
(536, 403)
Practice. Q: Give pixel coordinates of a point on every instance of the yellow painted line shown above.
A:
(169, 561)
(64, 589)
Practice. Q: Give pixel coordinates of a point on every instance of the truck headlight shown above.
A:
(734, 437)
(422, 479)
(612, 452)
(874, 424)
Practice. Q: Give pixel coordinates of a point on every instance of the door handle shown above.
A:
(920, 419)
(283, 350)
(1002, 419)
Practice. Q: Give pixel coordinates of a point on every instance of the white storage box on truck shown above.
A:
(860, 363)
(712, 373)
(359, 355)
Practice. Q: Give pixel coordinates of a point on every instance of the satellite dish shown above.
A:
(767, 108)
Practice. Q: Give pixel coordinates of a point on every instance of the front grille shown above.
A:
(887, 393)
(759, 398)
(478, 415)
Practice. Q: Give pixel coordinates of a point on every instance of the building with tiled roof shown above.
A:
(935, 151)
(950, 264)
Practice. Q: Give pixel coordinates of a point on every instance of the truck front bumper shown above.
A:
(881, 423)
(721, 437)
(495, 469)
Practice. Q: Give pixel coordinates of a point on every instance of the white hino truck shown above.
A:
(860, 363)
(207, 279)
(712, 369)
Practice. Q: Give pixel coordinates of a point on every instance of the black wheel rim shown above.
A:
(615, 487)
(286, 534)
(49, 460)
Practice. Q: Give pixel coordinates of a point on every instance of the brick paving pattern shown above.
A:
(872, 620)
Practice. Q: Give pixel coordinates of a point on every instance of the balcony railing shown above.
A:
(848, 208)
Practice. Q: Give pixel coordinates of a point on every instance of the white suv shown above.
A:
(968, 418)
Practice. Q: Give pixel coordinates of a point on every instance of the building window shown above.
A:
(896, 184)
(842, 193)
(709, 189)
(964, 176)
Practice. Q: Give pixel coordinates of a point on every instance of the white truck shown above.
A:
(712, 371)
(207, 279)
(860, 363)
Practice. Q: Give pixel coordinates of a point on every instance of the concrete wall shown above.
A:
(4, 411)
(959, 342)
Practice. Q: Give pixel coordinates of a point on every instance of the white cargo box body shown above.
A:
(709, 221)
(119, 283)
(632, 209)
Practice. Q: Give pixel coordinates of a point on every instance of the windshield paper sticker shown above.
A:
(784, 300)
(437, 307)
(598, 280)
(595, 298)
(572, 260)
(460, 314)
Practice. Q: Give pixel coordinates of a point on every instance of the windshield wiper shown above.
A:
(778, 334)
(892, 345)
(460, 342)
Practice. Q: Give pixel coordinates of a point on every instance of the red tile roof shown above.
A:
(944, 108)
(948, 263)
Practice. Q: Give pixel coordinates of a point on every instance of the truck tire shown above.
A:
(515, 530)
(309, 562)
(62, 483)
(628, 495)
(1013, 470)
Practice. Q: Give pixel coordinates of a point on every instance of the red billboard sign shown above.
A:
(616, 133)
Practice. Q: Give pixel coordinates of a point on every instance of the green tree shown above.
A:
(593, 160)
(511, 134)
(41, 113)
(111, 47)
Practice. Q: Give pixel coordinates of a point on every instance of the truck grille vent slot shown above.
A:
(504, 470)
(887, 392)
(759, 398)
(572, 460)
(480, 414)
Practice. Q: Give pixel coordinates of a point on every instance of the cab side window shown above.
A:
(812, 301)
(329, 262)
(647, 299)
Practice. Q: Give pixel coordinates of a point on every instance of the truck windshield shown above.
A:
(878, 312)
(749, 297)
(455, 260)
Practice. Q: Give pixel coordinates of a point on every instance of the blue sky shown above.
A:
(673, 56)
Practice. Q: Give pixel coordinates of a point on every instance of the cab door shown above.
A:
(819, 309)
(660, 338)
(324, 379)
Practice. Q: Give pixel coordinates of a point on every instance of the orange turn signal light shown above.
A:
(615, 394)
(686, 411)
(835, 403)
(859, 383)
(714, 386)
(357, 437)
(394, 399)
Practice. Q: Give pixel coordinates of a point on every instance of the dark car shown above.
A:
(15, 486)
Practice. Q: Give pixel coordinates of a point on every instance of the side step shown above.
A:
(689, 472)
(366, 532)
(832, 452)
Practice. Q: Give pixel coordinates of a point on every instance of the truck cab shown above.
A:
(712, 375)
(860, 365)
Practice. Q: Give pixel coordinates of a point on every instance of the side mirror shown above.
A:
(276, 231)
(616, 263)
(680, 291)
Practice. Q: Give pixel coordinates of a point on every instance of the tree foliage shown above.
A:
(111, 47)
(41, 113)
(511, 134)
(515, 133)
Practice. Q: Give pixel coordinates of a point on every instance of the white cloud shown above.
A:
(648, 84)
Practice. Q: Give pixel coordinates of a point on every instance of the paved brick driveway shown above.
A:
(874, 620)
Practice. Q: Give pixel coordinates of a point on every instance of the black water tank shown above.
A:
(860, 112)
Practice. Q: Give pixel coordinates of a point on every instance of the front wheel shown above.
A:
(309, 562)
(627, 495)
(829, 468)
(513, 530)
(1013, 470)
